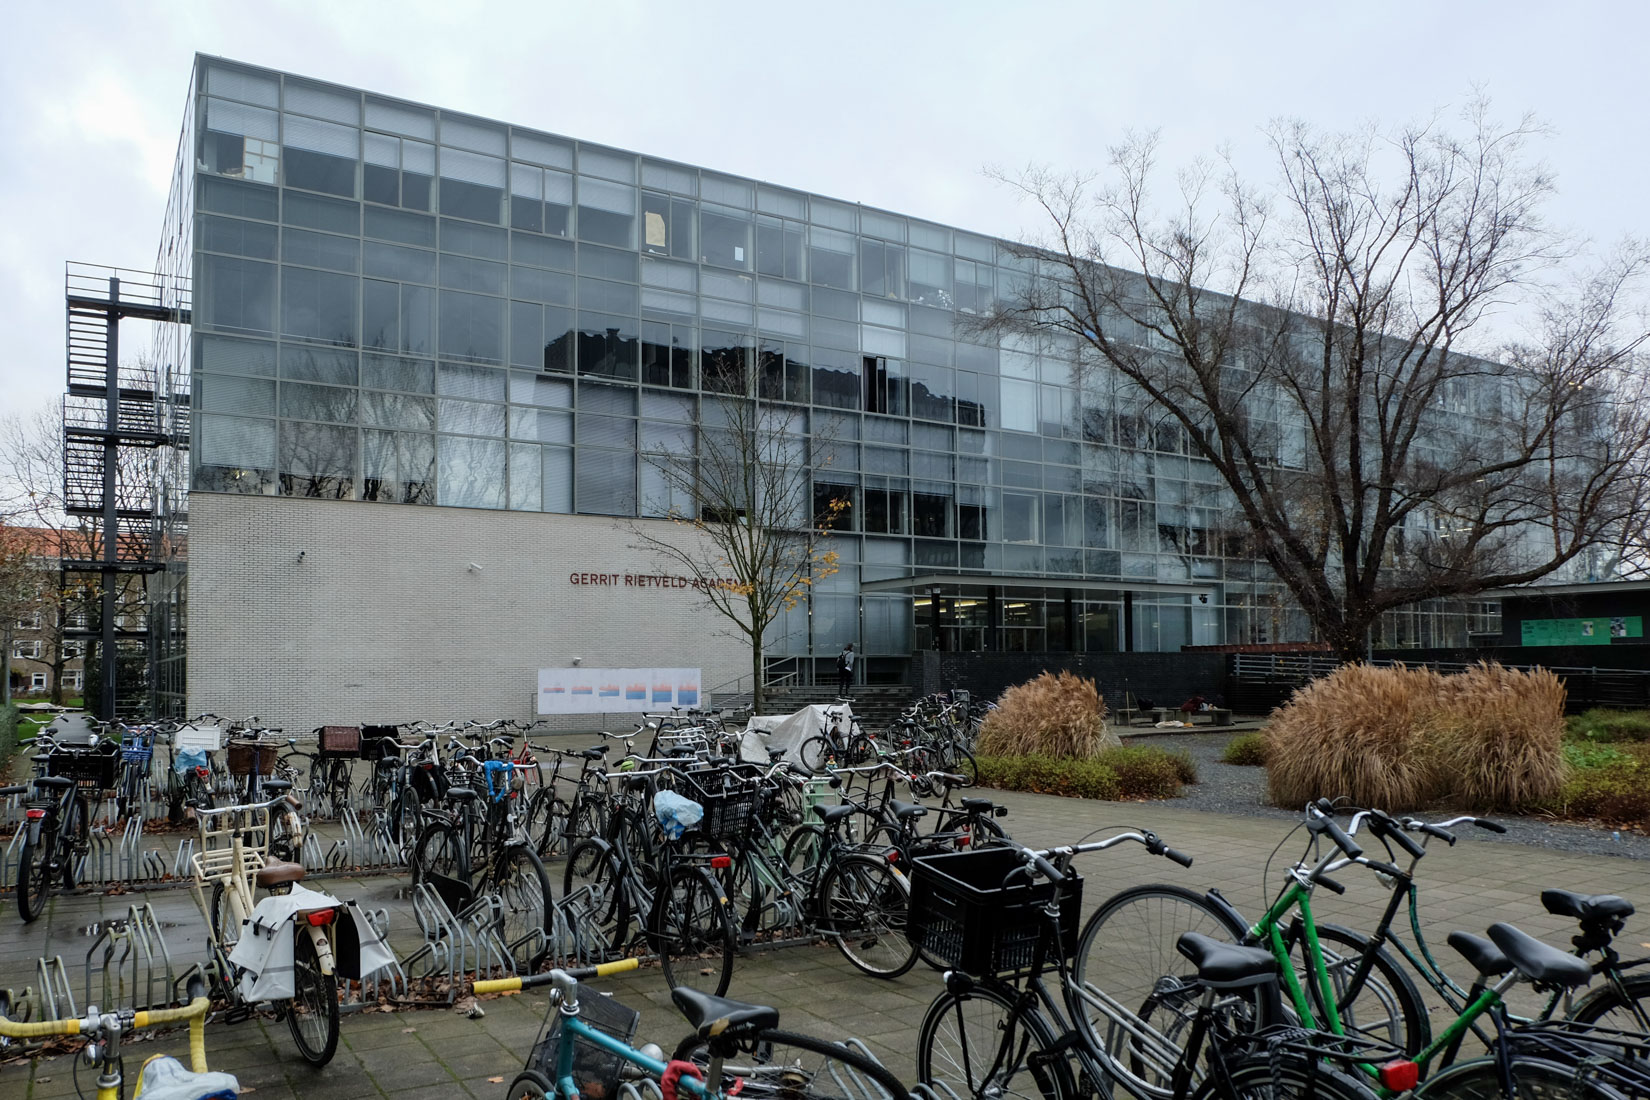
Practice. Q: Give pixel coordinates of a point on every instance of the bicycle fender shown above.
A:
(1218, 900)
(323, 945)
(34, 832)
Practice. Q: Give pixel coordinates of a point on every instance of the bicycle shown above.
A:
(1009, 910)
(458, 860)
(234, 842)
(58, 827)
(584, 1050)
(103, 1032)
(835, 745)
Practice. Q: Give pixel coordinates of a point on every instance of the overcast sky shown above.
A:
(897, 105)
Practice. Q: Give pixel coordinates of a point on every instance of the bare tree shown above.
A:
(32, 491)
(1310, 344)
(737, 484)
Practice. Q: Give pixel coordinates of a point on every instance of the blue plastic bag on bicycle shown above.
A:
(676, 815)
(498, 778)
(186, 759)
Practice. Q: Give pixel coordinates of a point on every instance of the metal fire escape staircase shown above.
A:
(115, 417)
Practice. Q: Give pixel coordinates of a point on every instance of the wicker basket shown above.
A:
(244, 754)
(340, 740)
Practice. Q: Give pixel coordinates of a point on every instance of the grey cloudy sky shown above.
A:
(897, 105)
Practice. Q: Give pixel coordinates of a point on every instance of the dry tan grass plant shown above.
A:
(1360, 733)
(1057, 714)
(1498, 737)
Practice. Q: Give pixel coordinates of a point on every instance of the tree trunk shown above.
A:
(5, 667)
(1349, 641)
(757, 697)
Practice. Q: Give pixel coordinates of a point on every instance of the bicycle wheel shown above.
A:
(523, 886)
(788, 1066)
(959, 761)
(34, 880)
(224, 926)
(404, 816)
(961, 1049)
(692, 930)
(439, 861)
(863, 905)
(546, 820)
(530, 1084)
(1387, 1008)
(812, 754)
(1260, 1078)
(802, 847)
(1136, 991)
(861, 750)
(593, 897)
(1625, 1009)
(1533, 1079)
(72, 839)
(312, 1013)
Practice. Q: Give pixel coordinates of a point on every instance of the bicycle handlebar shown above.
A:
(583, 973)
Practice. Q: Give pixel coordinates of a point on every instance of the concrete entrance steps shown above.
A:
(876, 706)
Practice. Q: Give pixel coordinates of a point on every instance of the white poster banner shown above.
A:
(617, 690)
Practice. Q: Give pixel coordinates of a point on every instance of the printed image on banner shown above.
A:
(617, 690)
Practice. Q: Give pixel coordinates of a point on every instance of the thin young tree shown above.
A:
(736, 484)
(1333, 348)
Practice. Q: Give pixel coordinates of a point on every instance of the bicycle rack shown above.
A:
(442, 935)
(640, 1090)
(9, 859)
(135, 963)
(98, 864)
(181, 866)
(129, 862)
(56, 996)
(481, 919)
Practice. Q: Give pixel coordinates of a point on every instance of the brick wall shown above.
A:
(383, 620)
(1167, 679)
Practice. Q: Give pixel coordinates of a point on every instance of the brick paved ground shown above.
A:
(431, 1053)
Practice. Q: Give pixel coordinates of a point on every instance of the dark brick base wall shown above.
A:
(1619, 655)
(1167, 679)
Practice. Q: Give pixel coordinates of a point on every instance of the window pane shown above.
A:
(397, 410)
(238, 295)
(725, 238)
(472, 326)
(606, 482)
(385, 372)
(471, 472)
(398, 467)
(317, 460)
(319, 305)
(526, 477)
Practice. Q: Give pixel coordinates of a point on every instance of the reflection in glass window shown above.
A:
(470, 472)
(526, 477)
(607, 213)
(398, 467)
(472, 186)
(301, 401)
(397, 410)
(609, 346)
(884, 511)
(834, 506)
(782, 371)
(1019, 405)
(779, 248)
(725, 362)
(605, 482)
(725, 238)
(930, 514)
(472, 327)
(320, 156)
(836, 378)
(317, 460)
(667, 354)
(831, 258)
(882, 269)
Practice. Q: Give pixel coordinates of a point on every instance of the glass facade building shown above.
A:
(395, 303)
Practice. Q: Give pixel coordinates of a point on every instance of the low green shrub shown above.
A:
(1603, 725)
(1144, 772)
(1246, 749)
(1605, 781)
(1184, 766)
(1048, 775)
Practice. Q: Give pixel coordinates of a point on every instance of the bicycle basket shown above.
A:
(378, 743)
(340, 740)
(242, 754)
(727, 816)
(963, 915)
(595, 1071)
(89, 767)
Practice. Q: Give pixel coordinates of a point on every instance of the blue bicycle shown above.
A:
(584, 1050)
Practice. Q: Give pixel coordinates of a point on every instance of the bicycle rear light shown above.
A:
(721, 863)
(320, 917)
(34, 815)
(964, 841)
(1400, 1076)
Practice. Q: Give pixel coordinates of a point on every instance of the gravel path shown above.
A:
(1229, 789)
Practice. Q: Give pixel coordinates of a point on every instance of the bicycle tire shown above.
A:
(812, 754)
(530, 1084)
(594, 898)
(439, 851)
(312, 1014)
(959, 761)
(789, 1066)
(1129, 943)
(1607, 1007)
(72, 837)
(227, 937)
(861, 749)
(1533, 1079)
(1388, 1008)
(404, 817)
(863, 905)
(802, 848)
(961, 1036)
(691, 929)
(545, 821)
(34, 881)
(523, 886)
(1258, 1077)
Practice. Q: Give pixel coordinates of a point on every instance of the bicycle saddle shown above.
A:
(277, 874)
(1226, 965)
(1541, 963)
(906, 810)
(1586, 907)
(1484, 956)
(977, 805)
(711, 1016)
(830, 815)
(460, 794)
(594, 754)
(274, 787)
(55, 782)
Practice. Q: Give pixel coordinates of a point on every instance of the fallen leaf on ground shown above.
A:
(490, 1081)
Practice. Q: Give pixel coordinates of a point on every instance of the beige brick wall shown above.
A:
(383, 620)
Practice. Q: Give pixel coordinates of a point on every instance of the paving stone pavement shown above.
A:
(411, 1055)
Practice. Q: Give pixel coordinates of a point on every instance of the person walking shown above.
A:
(845, 670)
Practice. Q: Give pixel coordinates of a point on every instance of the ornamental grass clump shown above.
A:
(1058, 715)
(1360, 733)
(1498, 737)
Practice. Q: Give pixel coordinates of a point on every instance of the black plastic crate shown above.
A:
(379, 743)
(727, 816)
(89, 767)
(595, 1071)
(963, 915)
